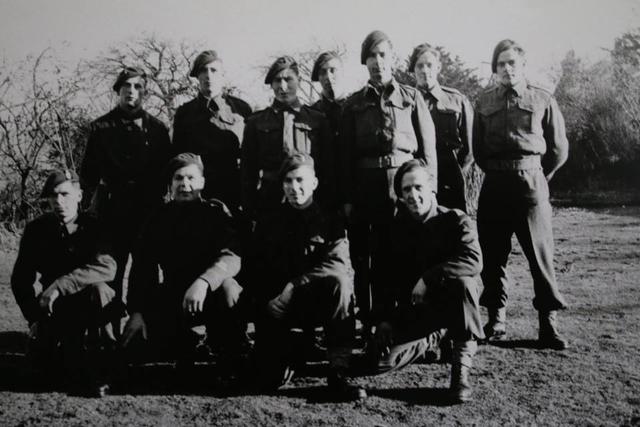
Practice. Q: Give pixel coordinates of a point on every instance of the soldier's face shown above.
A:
(417, 192)
(65, 200)
(329, 76)
(380, 63)
(299, 185)
(427, 69)
(510, 67)
(285, 86)
(211, 79)
(186, 184)
(132, 92)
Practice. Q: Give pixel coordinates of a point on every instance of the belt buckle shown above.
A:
(385, 162)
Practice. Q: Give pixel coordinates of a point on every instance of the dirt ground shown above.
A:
(595, 382)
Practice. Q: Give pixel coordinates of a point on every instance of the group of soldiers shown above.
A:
(259, 217)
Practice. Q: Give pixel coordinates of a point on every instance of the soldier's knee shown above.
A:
(230, 289)
(341, 292)
(101, 294)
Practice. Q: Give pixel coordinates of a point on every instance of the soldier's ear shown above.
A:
(315, 183)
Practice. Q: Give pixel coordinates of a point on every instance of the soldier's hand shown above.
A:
(232, 292)
(135, 325)
(193, 301)
(47, 298)
(103, 294)
(277, 307)
(419, 290)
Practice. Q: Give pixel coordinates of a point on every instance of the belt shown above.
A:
(532, 162)
(384, 162)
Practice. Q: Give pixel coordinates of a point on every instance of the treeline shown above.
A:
(46, 106)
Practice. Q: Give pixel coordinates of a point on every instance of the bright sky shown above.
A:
(247, 33)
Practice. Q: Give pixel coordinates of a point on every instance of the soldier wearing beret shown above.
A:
(65, 248)
(126, 154)
(383, 125)
(211, 125)
(430, 281)
(193, 242)
(284, 128)
(453, 118)
(519, 142)
(300, 279)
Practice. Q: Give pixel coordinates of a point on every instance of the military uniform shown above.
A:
(213, 128)
(123, 168)
(310, 250)
(272, 134)
(519, 142)
(77, 264)
(186, 241)
(452, 116)
(380, 131)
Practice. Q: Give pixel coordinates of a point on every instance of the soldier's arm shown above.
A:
(335, 262)
(426, 136)
(90, 168)
(180, 140)
(345, 155)
(465, 260)
(478, 139)
(102, 268)
(327, 175)
(227, 263)
(465, 155)
(556, 139)
(24, 276)
(249, 169)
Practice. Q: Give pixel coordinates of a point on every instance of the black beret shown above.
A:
(322, 59)
(418, 51)
(182, 160)
(294, 161)
(408, 166)
(56, 178)
(372, 40)
(201, 60)
(282, 63)
(128, 73)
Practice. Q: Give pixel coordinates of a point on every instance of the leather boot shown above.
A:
(343, 388)
(463, 352)
(496, 327)
(548, 335)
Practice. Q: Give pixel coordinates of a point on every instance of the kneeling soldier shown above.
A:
(194, 244)
(64, 247)
(302, 257)
(431, 281)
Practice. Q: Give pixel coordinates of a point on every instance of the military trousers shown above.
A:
(517, 202)
(416, 328)
(326, 302)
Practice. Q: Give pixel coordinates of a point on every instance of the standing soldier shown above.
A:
(300, 278)
(431, 281)
(384, 124)
(211, 126)
(64, 247)
(194, 244)
(272, 134)
(519, 142)
(126, 154)
(453, 118)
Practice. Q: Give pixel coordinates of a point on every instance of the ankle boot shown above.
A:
(548, 335)
(496, 327)
(463, 352)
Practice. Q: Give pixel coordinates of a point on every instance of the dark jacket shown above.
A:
(213, 129)
(297, 246)
(442, 247)
(386, 128)
(186, 241)
(263, 151)
(125, 164)
(452, 116)
(70, 262)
